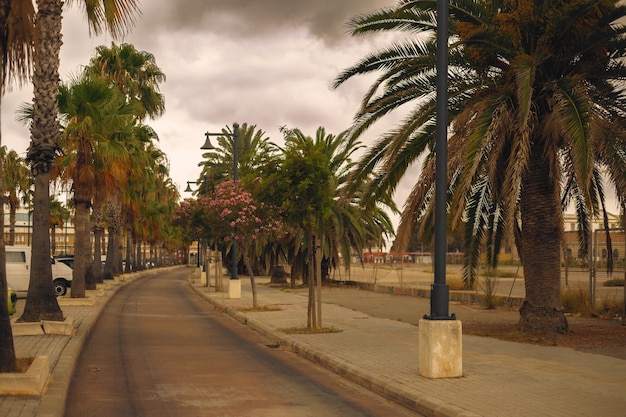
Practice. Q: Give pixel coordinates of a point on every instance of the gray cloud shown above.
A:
(325, 19)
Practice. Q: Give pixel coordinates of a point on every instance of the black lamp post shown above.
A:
(189, 190)
(207, 146)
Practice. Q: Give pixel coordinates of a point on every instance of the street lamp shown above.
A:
(234, 285)
(189, 190)
(440, 329)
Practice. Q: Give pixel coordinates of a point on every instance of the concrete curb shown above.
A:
(420, 404)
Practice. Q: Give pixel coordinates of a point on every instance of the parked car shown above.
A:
(62, 268)
(12, 300)
(18, 266)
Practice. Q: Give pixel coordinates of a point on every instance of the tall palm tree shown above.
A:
(116, 17)
(16, 30)
(135, 73)
(537, 109)
(93, 111)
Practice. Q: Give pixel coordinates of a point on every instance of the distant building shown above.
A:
(64, 235)
(599, 250)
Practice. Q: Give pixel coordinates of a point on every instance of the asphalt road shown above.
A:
(159, 350)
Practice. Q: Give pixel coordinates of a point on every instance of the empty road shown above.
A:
(159, 350)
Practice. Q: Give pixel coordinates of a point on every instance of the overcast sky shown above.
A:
(268, 63)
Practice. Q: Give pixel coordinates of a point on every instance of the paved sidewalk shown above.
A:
(499, 378)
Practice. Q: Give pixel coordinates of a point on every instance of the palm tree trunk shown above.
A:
(41, 303)
(542, 311)
(98, 232)
(8, 361)
(111, 260)
(12, 212)
(81, 248)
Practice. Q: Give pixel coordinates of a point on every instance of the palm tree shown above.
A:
(537, 114)
(59, 214)
(17, 183)
(16, 41)
(115, 17)
(254, 152)
(93, 112)
(134, 73)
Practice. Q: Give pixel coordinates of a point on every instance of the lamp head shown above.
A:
(207, 144)
(188, 189)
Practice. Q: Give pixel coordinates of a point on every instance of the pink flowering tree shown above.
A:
(192, 216)
(236, 215)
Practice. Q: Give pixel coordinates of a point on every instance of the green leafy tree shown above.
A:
(238, 217)
(304, 184)
(536, 106)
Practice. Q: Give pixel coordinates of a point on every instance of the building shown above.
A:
(63, 236)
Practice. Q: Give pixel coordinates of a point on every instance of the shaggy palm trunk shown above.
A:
(41, 303)
(542, 311)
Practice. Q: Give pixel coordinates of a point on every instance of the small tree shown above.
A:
(238, 216)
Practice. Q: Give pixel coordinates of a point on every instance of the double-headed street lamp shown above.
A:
(234, 285)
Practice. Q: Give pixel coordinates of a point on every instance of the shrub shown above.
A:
(615, 282)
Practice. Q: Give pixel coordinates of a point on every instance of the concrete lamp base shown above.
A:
(234, 288)
(440, 349)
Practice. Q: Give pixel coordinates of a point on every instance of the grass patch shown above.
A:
(496, 273)
(455, 283)
(489, 285)
(260, 308)
(576, 301)
(306, 330)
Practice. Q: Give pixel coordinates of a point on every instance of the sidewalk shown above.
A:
(499, 378)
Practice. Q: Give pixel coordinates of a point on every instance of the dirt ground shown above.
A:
(594, 335)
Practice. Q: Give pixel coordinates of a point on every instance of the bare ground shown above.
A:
(592, 335)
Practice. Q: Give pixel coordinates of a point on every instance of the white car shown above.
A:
(18, 265)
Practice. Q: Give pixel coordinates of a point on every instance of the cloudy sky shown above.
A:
(268, 63)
